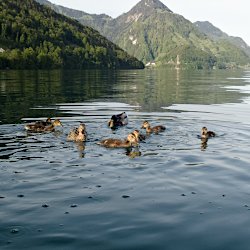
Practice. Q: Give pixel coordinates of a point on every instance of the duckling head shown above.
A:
(82, 127)
(124, 118)
(145, 124)
(204, 134)
(136, 133)
(204, 130)
(57, 123)
(132, 140)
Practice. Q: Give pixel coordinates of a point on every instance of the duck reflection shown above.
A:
(58, 133)
(204, 144)
(81, 148)
(133, 152)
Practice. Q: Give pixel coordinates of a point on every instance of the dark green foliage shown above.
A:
(34, 36)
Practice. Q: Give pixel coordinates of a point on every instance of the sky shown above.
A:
(231, 16)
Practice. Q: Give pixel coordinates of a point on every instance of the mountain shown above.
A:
(91, 20)
(151, 32)
(217, 35)
(34, 36)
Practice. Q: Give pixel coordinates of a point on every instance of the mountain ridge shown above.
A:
(150, 31)
(216, 34)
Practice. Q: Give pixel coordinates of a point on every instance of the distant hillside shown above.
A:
(91, 20)
(151, 32)
(34, 36)
(217, 35)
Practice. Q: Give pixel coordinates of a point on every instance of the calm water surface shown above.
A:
(172, 192)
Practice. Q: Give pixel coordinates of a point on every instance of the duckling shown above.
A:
(155, 129)
(205, 134)
(78, 134)
(138, 135)
(34, 127)
(117, 143)
(118, 120)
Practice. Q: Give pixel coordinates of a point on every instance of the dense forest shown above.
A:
(33, 36)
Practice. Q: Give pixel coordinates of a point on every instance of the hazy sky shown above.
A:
(231, 16)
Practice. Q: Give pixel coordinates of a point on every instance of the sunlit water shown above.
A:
(172, 192)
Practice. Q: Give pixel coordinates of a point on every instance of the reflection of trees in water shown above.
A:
(155, 88)
(28, 89)
(150, 89)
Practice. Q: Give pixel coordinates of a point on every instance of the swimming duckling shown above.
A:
(117, 143)
(118, 120)
(34, 127)
(78, 134)
(205, 134)
(138, 135)
(155, 129)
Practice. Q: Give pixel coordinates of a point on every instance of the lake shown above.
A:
(171, 192)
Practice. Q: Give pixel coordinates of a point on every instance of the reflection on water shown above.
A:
(23, 92)
(174, 191)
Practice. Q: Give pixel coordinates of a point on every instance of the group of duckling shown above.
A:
(80, 135)
(76, 134)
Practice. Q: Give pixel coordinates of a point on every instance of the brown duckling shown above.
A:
(118, 120)
(78, 134)
(36, 127)
(205, 134)
(155, 129)
(117, 143)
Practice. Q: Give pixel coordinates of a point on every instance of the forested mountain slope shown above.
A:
(34, 36)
